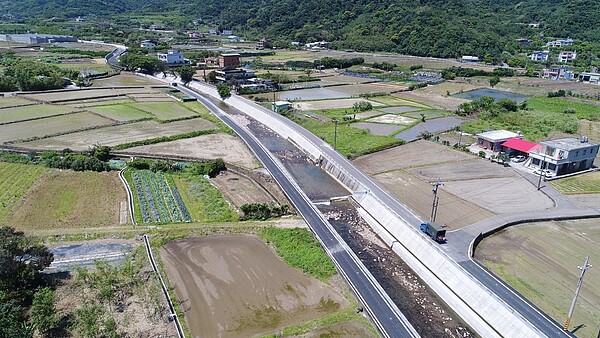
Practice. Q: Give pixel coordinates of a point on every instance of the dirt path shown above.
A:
(235, 286)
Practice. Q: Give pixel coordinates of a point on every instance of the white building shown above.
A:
(147, 44)
(541, 56)
(227, 32)
(567, 56)
(171, 57)
(589, 78)
(469, 59)
(565, 156)
(560, 43)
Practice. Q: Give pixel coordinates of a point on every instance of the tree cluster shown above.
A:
(211, 168)
(21, 288)
(29, 75)
(453, 72)
(487, 108)
(329, 62)
(142, 63)
(263, 211)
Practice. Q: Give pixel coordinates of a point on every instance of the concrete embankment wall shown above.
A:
(485, 313)
(477, 305)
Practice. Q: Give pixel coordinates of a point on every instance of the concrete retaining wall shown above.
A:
(476, 304)
(486, 314)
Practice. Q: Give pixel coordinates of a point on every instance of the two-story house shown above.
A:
(565, 156)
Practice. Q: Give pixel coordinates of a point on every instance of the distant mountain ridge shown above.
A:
(445, 28)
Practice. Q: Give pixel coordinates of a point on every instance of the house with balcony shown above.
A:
(564, 156)
(560, 43)
(541, 56)
(566, 56)
(172, 57)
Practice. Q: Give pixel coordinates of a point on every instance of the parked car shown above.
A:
(518, 159)
(544, 172)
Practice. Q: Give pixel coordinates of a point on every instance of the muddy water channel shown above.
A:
(428, 314)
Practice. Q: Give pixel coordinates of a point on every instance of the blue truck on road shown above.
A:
(435, 231)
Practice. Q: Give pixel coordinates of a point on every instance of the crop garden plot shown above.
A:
(119, 112)
(51, 126)
(158, 199)
(114, 135)
(165, 110)
(15, 180)
(13, 101)
(31, 112)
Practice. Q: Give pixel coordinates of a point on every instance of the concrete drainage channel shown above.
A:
(173, 315)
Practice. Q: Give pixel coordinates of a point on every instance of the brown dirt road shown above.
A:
(235, 286)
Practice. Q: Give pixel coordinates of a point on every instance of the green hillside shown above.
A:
(443, 28)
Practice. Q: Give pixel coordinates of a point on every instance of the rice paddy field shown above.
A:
(588, 183)
(15, 181)
(51, 126)
(13, 101)
(119, 134)
(165, 111)
(31, 112)
(119, 112)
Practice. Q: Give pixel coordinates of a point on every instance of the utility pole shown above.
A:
(541, 172)
(583, 268)
(335, 121)
(459, 135)
(436, 200)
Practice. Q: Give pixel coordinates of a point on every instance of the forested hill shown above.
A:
(446, 28)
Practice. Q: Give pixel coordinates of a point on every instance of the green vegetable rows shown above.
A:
(159, 198)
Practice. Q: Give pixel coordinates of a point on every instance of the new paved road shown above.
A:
(384, 313)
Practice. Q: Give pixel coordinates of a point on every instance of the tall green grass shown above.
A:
(300, 249)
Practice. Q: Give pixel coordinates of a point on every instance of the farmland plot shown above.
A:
(32, 111)
(158, 198)
(12, 101)
(51, 126)
(114, 135)
(15, 180)
(119, 112)
(165, 110)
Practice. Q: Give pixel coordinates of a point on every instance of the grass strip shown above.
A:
(301, 250)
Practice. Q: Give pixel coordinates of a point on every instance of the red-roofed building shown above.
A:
(520, 146)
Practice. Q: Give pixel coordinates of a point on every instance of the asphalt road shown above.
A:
(384, 313)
